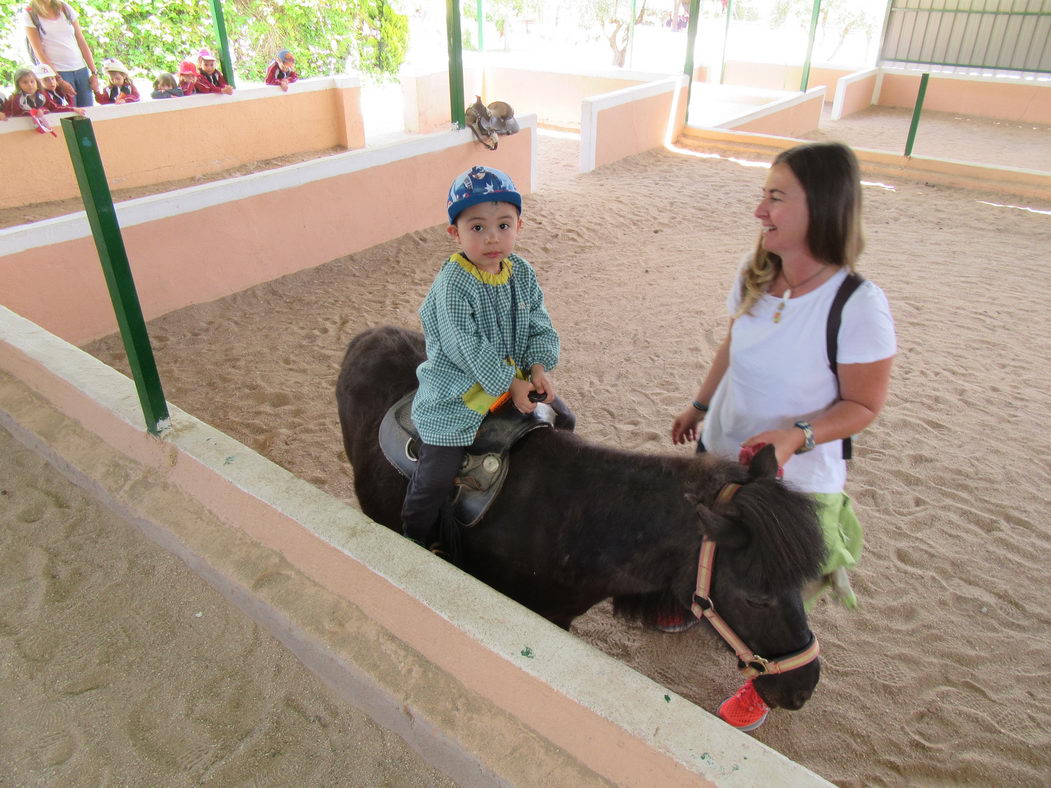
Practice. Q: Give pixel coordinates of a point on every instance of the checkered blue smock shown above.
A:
(467, 325)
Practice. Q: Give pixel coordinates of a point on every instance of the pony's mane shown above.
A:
(784, 547)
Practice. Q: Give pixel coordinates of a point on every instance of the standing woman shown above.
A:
(770, 380)
(56, 39)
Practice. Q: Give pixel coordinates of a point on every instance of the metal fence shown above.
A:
(998, 36)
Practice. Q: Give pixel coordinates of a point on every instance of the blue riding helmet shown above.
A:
(481, 184)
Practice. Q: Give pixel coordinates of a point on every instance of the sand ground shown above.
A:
(941, 676)
(120, 666)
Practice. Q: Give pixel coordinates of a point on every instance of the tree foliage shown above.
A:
(151, 36)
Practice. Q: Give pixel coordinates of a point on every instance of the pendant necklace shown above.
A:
(788, 293)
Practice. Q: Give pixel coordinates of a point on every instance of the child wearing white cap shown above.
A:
(209, 78)
(60, 95)
(120, 90)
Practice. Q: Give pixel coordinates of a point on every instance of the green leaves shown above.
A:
(151, 36)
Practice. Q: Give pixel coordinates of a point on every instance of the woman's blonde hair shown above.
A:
(46, 8)
(831, 180)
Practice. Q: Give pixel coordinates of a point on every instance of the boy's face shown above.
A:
(50, 83)
(116, 78)
(206, 66)
(486, 232)
(27, 84)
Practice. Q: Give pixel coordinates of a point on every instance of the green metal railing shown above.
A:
(916, 114)
(219, 23)
(452, 22)
(98, 204)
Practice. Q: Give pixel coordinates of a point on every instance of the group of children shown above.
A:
(40, 90)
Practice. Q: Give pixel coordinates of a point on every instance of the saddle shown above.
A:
(485, 463)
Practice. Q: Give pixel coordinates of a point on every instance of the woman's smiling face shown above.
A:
(783, 213)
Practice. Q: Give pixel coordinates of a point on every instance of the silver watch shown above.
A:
(808, 439)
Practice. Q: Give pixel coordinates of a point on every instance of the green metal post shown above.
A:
(452, 26)
(98, 203)
(916, 113)
(810, 46)
(726, 35)
(480, 10)
(691, 38)
(219, 22)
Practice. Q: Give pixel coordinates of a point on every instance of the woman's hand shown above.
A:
(684, 428)
(520, 395)
(785, 442)
(542, 383)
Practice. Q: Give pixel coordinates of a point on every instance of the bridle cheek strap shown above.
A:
(749, 663)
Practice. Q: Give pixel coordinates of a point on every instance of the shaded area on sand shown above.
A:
(120, 666)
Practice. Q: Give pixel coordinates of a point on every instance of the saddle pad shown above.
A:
(485, 463)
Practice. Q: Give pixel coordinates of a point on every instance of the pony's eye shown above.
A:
(757, 602)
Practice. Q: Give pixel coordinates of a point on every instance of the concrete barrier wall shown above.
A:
(195, 245)
(764, 147)
(1018, 100)
(631, 120)
(158, 141)
(485, 690)
(854, 93)
(790, 117)
(779, 76)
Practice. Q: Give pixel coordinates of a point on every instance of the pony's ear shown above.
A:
(726, 533)
(764, 463)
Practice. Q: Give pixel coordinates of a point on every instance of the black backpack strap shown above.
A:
(835, 319)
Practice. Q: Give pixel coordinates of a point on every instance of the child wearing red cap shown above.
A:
(187, 78)
(209, 78)
(282, 71)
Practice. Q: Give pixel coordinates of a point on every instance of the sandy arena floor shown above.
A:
(942, 675)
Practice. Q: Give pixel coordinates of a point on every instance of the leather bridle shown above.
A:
(749, 663)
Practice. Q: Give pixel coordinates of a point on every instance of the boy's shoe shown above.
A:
(676, 621)
(745, 710)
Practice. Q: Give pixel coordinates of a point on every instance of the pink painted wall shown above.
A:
(1025, 102)
(794, 121)
(777, 76)
(857, 95)
(554, 97)
(426, 98)
(202, 255)
(155, 142)
(637, 126)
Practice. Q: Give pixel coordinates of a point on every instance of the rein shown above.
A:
(749, 663)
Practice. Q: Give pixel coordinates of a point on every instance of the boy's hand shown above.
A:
(542, 383)
(520, 395)
(284, 85)
(229, 91)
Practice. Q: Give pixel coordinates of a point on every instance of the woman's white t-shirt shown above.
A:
(779, 374)
(58, 40)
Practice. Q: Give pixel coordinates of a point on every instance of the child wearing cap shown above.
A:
(209, 78)
(120, 90)
(165, 86)
(187, 78)
(282, 70)
(60, 95)
(487, 334)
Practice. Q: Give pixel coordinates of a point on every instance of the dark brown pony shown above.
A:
(577, 523)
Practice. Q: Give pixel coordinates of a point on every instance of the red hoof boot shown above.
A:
(676, 621)
(745, 710)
